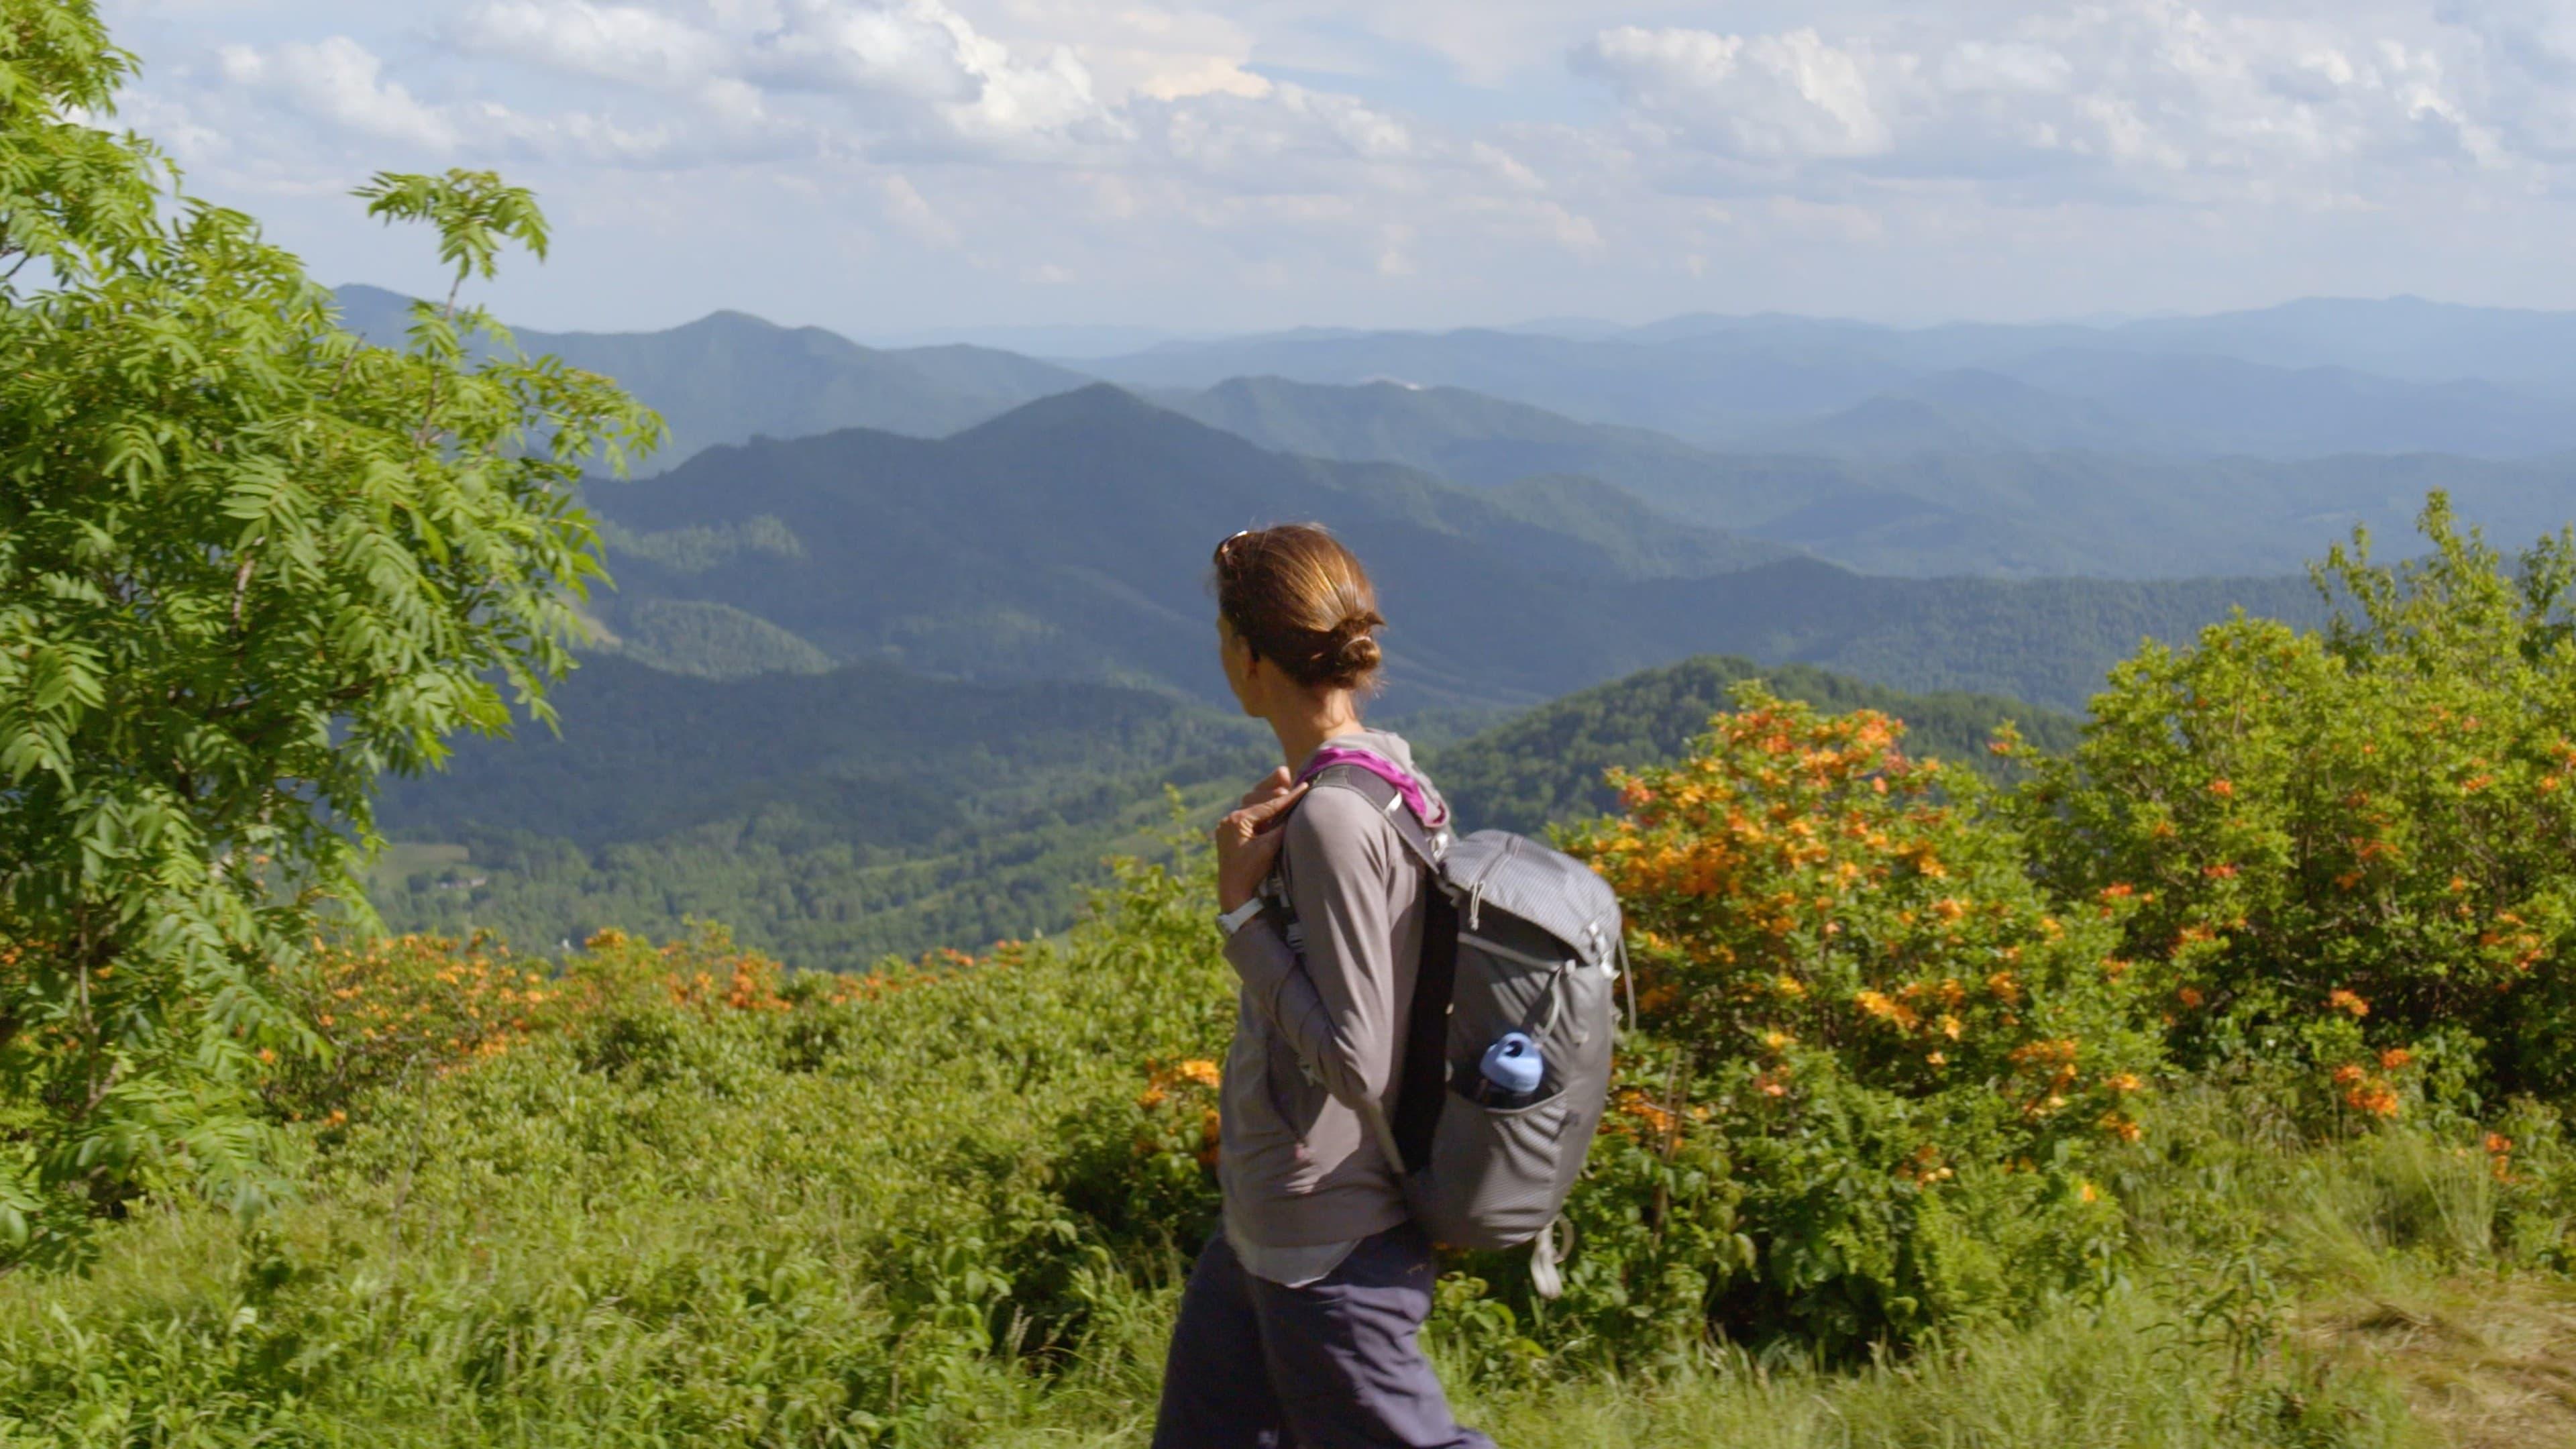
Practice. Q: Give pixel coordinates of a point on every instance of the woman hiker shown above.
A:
(1300, 1328)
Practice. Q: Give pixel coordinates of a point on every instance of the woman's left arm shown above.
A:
(1337, 1007)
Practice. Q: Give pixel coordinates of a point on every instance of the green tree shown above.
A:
(247, 563)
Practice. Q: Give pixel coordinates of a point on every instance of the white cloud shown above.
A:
(1132, 48)
(907, 208)
(1528, 153)
(1788, 97)
(2107, 98)
(341, 82)
(632, 43)
(911, 74)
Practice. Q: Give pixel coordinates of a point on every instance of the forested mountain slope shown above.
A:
(887, 757)
(830, 817)
(835, 818)
(1547, 766)
(1070, 538)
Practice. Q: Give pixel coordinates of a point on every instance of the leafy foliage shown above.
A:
(2354, 843)
(247, 564)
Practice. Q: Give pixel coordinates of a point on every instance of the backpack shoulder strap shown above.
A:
(1426, 843)
(1422, 1067)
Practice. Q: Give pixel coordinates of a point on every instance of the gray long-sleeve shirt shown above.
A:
(1317, 1038)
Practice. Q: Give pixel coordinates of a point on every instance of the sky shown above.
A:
(887, 167)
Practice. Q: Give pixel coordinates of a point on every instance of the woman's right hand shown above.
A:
(1247, 839)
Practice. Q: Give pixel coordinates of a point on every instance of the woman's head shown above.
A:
(1292, 601)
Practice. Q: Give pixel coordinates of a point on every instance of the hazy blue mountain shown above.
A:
(2399, 337)
(2406, 338)
(2175, 405)
(730, 377)
(2184, 403)
(1472, 438)
(2030, 514)
(1644, 543)
(1068, 343)
(1966, 410)
(1576, 327)
(1891, 425)
(1694, 392)
(2312, 379)
(1069, 539)
(1928, 482)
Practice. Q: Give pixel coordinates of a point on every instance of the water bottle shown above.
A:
(1510, 1073)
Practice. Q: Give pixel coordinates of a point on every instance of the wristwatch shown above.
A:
(1232, 921)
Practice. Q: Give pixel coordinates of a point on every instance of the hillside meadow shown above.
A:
(2203, 1088)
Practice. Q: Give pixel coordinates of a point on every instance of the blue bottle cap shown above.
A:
(1514, 1063)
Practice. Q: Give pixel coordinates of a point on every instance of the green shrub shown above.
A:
(2358, 845)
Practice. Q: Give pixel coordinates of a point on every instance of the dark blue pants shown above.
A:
(1336, 1364)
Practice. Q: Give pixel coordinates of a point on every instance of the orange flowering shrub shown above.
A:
(402, 1004)
(1866, 1005)
(389, 1008)
(1179, 1107)
(2351, 842)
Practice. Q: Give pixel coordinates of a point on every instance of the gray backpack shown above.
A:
(1518, 937)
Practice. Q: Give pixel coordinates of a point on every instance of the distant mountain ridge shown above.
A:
(1906, 485)
(2303, 380)
(730, 377)
(2140, 450)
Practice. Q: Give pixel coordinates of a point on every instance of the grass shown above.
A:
(696, 1278)
(2110, 1376)
(770, 1228)
(2482, 1363)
